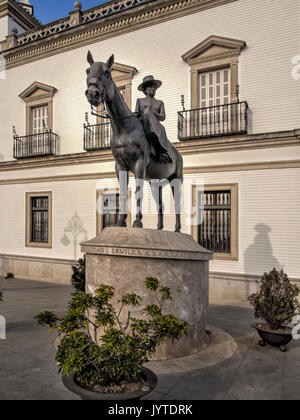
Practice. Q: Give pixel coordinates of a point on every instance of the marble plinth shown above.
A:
(124, 257)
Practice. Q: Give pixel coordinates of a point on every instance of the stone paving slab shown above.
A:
(28, 370)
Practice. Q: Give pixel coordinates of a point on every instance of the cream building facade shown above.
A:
(235, 62)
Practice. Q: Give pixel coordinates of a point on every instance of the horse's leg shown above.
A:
(139, 173)
(157, 195)
(123, 177)
(176, 186)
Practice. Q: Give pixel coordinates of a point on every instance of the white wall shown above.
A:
(269, 197)
(270, 28)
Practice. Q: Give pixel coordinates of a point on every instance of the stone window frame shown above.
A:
(214, 53)
(43, 99)
(234, 189)
(99, 217)
(28, 196)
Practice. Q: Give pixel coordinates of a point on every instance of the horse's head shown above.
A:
(99, 81)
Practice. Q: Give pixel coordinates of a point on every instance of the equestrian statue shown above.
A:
(139, 142)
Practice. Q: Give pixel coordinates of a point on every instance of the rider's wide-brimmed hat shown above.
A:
(148, 80)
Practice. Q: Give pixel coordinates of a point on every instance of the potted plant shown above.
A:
(277, 304)
(102, 357)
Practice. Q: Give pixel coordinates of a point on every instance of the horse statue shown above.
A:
(131, 149)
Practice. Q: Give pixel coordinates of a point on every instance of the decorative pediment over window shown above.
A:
(214, 48)
(214, 53)
(37, 91)
(122, 72)
(38, 95)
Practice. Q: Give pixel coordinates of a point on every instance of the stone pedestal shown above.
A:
(124, 257)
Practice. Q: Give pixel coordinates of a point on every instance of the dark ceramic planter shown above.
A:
(149, 377)
(273, 338)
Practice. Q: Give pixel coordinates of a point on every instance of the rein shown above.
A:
(133, 114)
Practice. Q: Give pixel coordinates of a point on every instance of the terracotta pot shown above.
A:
(149, 377)
(273, 338)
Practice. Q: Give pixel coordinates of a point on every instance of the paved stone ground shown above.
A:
(28, 370)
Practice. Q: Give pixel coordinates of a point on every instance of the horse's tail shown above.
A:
(179, 167)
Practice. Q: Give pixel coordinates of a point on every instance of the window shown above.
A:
(214, 88)
(214, 71)
(40, 119)
(38, 98)
(217, 214)
(214, 233)
(108, 208)
(39, 220)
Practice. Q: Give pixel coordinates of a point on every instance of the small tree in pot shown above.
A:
(277, 304)
(111, 366)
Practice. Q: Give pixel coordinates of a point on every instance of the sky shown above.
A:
(49, 10)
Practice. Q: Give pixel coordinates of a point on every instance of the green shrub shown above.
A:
(78, 276)
(9, 276)
(124, 347)
(277, 300)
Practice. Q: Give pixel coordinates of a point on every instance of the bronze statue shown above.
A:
(130, 146)
(152, 112)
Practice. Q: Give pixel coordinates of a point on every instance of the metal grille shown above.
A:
(97, 137)
(34, 145)
(110, 210)
(214, 233)
(212, 121)
(39, 219)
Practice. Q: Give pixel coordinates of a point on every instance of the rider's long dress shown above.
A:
(153, 111)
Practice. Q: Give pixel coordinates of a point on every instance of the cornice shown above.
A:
(191, 170)
(207, 59)
(146, 14)
(192, 147)
(70, 159)
(243, 142)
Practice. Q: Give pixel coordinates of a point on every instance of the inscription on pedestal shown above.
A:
(143, 253)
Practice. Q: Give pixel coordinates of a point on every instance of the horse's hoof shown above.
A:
(177, 230)
(160, 228)
(137, 224)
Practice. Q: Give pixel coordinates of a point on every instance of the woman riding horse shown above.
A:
(152, 112)
(131, 148)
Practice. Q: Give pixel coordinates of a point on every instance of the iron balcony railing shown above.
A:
(220, 120)
(35, 145)
(97, 137)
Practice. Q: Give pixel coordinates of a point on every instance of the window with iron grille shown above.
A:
(214, 233)
(110, 210)
(39, 220)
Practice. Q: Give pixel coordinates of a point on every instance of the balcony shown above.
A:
(35, 145)
(220, 120)
(97, 137)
